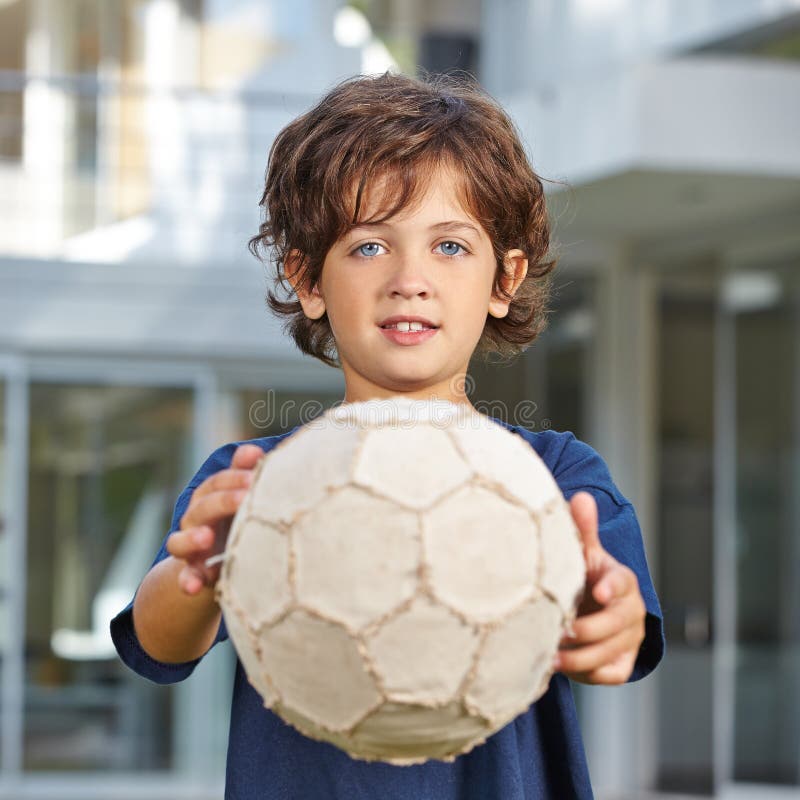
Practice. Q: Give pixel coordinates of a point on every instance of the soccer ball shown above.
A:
(398, 578)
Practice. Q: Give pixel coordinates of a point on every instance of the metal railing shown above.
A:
(181, 167)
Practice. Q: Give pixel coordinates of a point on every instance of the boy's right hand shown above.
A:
(205, 525)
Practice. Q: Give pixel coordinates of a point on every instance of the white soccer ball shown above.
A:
(398, 578)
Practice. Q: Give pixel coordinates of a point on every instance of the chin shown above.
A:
(407, 381)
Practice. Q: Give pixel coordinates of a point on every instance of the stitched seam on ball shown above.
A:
(423, 588)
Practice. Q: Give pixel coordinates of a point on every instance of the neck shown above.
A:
(452, 390)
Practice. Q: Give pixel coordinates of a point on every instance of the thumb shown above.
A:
(584, 512)
(246, 456)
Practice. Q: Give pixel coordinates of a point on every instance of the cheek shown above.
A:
(481, 293)
(347, 305)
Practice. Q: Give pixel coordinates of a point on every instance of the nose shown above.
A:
(408, 280)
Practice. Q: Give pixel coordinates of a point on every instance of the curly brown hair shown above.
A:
(394, 125)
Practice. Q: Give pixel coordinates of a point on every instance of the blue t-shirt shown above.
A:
(538, 755)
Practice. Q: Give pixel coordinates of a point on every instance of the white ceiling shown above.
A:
(640, 206)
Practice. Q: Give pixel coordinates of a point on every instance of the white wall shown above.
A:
(609, 93)
(544, 43)
(253, 66)
(709, 114)
(601, 87)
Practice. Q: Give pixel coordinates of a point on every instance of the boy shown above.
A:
(399, 201)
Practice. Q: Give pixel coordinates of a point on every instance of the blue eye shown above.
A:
(369, 249)
(372, 249)
(451, 248)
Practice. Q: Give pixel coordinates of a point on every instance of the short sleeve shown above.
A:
(581, 468)
(123, 633)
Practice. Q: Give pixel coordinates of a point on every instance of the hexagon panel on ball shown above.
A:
(563, 568)
(506, 461)
(404, 734)
(295, 463)
(514, 665)
(422, 465)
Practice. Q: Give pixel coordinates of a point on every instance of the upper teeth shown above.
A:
(408, 326)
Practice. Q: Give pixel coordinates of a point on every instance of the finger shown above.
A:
(612, 674)
(225, 479)
(246, 456)
(596, 627)
(584, 512)
(615, 584)
(628, 612)
(212, 508)
(591, 657)
(190, 580)
(190, 543)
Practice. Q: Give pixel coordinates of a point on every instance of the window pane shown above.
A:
(685, 536)
(767, 699)
(268, 412)
(568, 344)
(13, 24)
(3, 543)
(106, 464)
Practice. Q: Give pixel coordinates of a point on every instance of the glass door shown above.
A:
(685, 552)
(729, 532)
(3, 546)
(105, 464)
(761, 311)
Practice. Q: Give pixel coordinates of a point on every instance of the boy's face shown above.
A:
(432, 261)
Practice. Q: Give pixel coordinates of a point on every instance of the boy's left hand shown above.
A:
(609, 628)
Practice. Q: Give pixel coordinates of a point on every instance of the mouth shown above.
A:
(406, 324)
(405, 332)
(405, 327)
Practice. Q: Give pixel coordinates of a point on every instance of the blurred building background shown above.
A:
(134, 340)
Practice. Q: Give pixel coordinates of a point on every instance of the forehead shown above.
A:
(399, 194)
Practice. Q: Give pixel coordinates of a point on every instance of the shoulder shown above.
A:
(218, 460)
(221, 457)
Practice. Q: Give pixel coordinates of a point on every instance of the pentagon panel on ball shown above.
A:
(398, 578)
(473, 534)
(423, 654)
(317, 669)
(356, 557)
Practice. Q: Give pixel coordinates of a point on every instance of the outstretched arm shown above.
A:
(175, 615)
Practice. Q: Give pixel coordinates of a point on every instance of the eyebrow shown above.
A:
(450, 225)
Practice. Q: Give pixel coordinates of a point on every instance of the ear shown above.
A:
(311, 300)
(516, 268)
